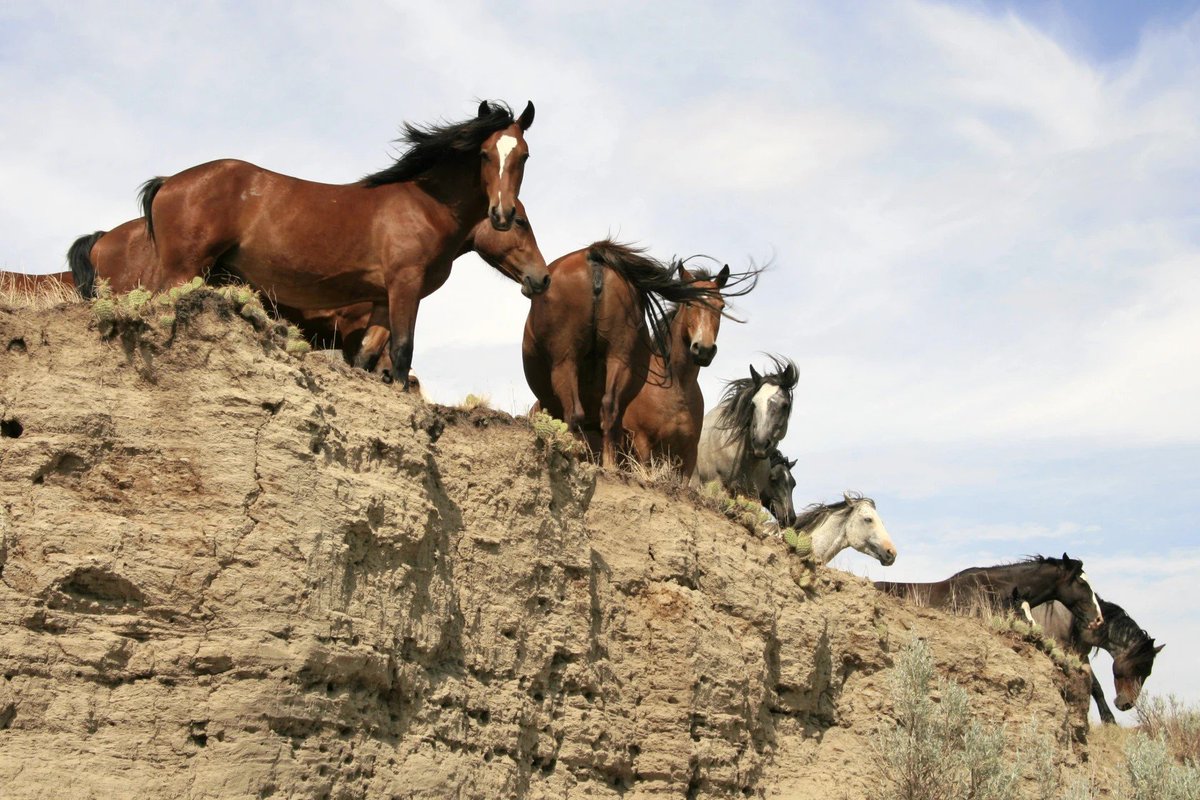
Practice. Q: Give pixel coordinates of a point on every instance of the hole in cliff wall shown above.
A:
(17, 345)
(11, 428)
(96, 590)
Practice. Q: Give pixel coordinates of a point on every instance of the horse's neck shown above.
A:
(684, 371)
(1040, 586)
(456, 186)
(829, 537)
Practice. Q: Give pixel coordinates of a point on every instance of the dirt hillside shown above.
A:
(226, 571)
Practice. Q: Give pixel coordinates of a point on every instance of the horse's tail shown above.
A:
(79, 259)
(146, 201)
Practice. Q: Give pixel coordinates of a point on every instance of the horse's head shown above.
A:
(503, 156)
(772, 401)
(1131, 667)
(701, 319)
(777, 496)
(865, 531)
(1075, 591)
(513, 252)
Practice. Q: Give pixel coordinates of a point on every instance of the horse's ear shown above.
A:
(790, 375)
(1065, 556)
(722, 277)
(754, 376)
(792, 463)
(846, 497)
(484, 108)
(526, 118)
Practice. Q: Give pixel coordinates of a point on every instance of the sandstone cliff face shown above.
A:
(227, 572)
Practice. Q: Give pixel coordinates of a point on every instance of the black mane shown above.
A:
(432, 144)
(736, 405)
(813, 515)
(1125, 634)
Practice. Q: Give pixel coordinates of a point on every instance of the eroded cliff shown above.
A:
(229, 572)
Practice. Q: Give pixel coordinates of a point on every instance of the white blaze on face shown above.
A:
(504, 147)
(1083, 577)
(762, 402)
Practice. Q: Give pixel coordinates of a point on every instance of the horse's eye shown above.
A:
(484, 156)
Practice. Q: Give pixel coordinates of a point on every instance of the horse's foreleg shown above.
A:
(402, 307)
(374, 340)
(1106, 715)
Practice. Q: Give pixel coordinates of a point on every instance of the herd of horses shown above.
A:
(613, 342)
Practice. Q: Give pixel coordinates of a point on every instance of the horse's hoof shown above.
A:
(387, 376)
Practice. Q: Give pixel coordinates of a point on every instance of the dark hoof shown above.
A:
(387, 376)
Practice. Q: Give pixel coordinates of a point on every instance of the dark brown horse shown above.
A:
(125, 257)
(1017, 587)
(663, 420)
(388, 239)
(1132, 649)
(588, 341)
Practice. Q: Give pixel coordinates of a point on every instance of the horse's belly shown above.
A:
(302, 284)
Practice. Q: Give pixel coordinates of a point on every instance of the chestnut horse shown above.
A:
(388, 239)
(585, 349)
(664, 419)
(125, 257)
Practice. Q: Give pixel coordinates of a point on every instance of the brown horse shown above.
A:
(664, 419)
(25, 283)
(585, 348)
(125, 257)
(388, 239)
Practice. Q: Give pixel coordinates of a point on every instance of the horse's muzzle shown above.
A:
(703, 355)
(886, 557)
(531, 286)
(502, 220)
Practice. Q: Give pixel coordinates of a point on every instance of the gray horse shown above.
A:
(740, 433)
(777, 496)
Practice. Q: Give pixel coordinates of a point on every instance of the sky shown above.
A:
(980, 217)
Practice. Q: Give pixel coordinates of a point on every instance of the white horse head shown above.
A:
(772, 408)
(854, 522)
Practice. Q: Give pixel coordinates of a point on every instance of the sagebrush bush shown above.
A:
(936, 751)
(1177, 724)
(1154, 774)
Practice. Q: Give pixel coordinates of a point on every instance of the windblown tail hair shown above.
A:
(79, 259)
(146, 201)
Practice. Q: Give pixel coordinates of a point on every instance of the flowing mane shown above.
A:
(813, 515)
(736, 408)
(1125, 634)
(432, 144)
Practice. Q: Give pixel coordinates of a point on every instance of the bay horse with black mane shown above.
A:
(387, 239)
(1132, 649)
(590, 337)
(1017, 587)
(125, 257)
(663, 420)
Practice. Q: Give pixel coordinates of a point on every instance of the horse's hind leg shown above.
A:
(616, 383)
(564, 377)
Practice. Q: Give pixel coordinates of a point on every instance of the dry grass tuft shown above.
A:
(37, 292)
(664, 473)
(1175, 723)
(474, 401)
